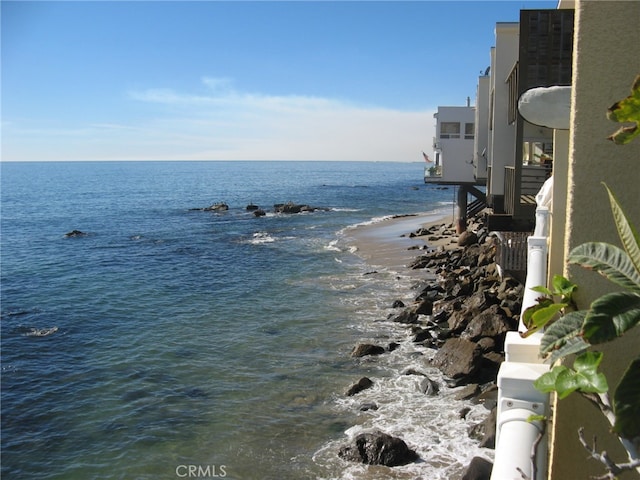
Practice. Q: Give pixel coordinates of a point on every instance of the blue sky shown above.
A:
(236, 80)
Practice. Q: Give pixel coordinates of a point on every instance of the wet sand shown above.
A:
(387, 244)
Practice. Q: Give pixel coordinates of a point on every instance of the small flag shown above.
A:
(426, 158)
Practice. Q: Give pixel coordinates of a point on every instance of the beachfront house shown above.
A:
(536, 52)
(583, 158)
(453, 146)
(455, 160)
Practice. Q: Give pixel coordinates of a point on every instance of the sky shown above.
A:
(238, 80)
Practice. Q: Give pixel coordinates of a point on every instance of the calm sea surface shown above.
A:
(175, 343)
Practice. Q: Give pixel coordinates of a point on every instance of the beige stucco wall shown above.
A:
(605, 65)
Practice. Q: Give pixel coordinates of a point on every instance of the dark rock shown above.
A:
(464, 412)
(365, 407)
(481, 300)
(363, 349)
(398, 304)
(361, 385)
(489, 396)
(217, 207)
(429, 387)
(291, 207)
(478, 469)
(431, 293)
(468, 392)
(408, 316)
(485, 431)
(259, 213)
(378, 448)
(75, 233)
(413, 371)
(251, 207)
(392, 346)
(489, 323)
(492, 359)
(459, 319)
(487, 344)
(457, 358)
(424, 307)
(420, 335)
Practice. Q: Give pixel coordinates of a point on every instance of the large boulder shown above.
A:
(467, 238)
(378, 448)
(479, 469)
(75, 233)
(489, 323)
(291, 207)
(361, 385)
(485, 431)
(364, 349)
(458, 358)
(217, 207)
(408, 315)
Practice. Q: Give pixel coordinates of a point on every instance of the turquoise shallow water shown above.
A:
(174, 338)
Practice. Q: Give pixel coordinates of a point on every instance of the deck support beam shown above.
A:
(461, 209)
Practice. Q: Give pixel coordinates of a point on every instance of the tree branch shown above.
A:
(613, 468)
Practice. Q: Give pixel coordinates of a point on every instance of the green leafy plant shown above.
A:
(547, 309)
(608, 318)
(626, 110)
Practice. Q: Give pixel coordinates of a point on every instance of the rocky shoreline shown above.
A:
(462, 311)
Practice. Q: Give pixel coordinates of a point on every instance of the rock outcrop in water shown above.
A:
(291, 207)
(75, 233)
(378, 448)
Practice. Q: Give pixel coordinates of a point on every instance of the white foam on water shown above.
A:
(432, 425)
(260, 238)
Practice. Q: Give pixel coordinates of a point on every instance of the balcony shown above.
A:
(519, 196)
(432, 174)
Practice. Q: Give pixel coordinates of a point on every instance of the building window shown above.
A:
(469, 131)
(491, 107)
(450, 130)
(512, 83)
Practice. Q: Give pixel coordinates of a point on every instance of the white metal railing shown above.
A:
(518, 400)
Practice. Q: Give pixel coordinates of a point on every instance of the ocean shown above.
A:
(170, 342)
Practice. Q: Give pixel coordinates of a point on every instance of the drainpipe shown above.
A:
(537, 251)
(516, 436)
(518, 399)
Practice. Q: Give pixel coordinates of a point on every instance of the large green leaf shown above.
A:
(538, 316)
(626, 402)
(563, 286)
(584, 377)
(627, 110)
(611, 316)
(546, 382)
(608, 260)
(628, 234)
(562, 338)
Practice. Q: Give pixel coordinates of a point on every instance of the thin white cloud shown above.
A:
(219, 122)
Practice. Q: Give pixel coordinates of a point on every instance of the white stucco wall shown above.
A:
(456, 154)
(480, 143)
(503, 135)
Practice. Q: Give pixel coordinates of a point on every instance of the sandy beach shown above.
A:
(388, 244)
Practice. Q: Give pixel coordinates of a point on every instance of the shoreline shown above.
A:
(391, 243)
(455, 325)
